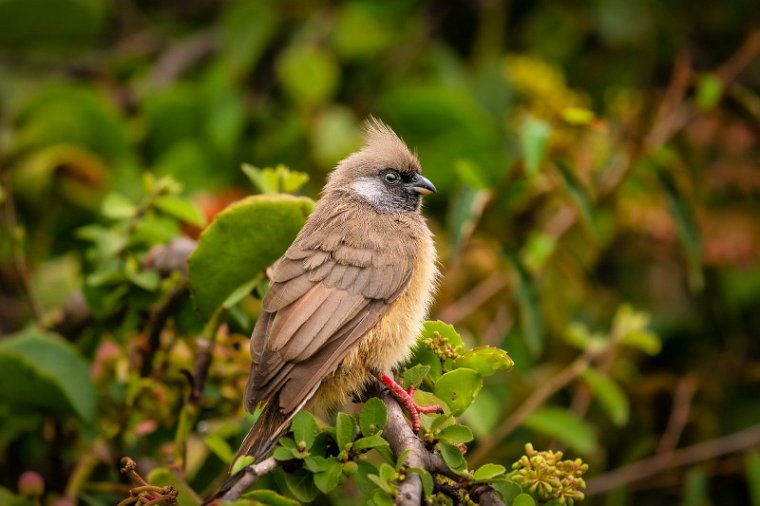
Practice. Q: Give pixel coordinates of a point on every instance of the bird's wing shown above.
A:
(320, 303)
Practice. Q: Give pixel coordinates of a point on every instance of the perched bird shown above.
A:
(348, 298)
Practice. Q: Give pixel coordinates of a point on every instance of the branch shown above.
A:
(401, 438)
(654, 465)
(248, 477)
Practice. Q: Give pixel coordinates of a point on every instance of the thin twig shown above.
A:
(249, 476)
(747, 52)
(743, 440)
(679, 415)
(473, 299)
(17, 250)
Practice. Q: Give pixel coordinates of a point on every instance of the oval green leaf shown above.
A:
(560, 424)
(304, 428)
(486, 360)
(458, 388)
(345, 429)
(456, 434)
(610, 396)
(43, 370)
(243, 240)
(373, 416)
(524, 500)
(452, 455)
(488, 472)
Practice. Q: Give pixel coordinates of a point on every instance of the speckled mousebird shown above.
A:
(348, 298)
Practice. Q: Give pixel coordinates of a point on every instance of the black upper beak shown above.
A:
(422, 185)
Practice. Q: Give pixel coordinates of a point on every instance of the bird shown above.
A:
(348, 298)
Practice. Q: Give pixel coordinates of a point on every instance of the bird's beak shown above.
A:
(422, 185)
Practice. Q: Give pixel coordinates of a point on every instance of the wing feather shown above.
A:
(325, 295)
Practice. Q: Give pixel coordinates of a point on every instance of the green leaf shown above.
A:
(485, 412)
(316, 463)
(610, 395)
(688, 232)
(452, 455)
(424, 355)
(456, 434)
(369, 442)
(363, 30)
(43, 370)
(579, 194)
(241, 292)
(695, 488)
(300, 483)
(538, 249)
(373, 416)
(245, 30)
(284, 454)
(577, 116)
(308, 74)
(508, 490)
(387, 473)
(181, 209)
(530, 307)
(242, 241)
(578, 335)
(630, 327)
(523, 500)
(269, 498)
(147, 280)
(220, 447)
(486, 360)
(471, 174)
(430, 328)
(458, 388)
(66, 23)
(752, 470)
(488, 472)
(240, 463)
(382, 498)
(709, 91)
(345, 430)
(425, 477)
(414, 375)
(117, 207)
(534, 135)
(304, 428)
(328, 479)
(560, 424)
(277, 180)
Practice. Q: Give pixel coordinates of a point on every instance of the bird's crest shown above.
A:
(381, 140)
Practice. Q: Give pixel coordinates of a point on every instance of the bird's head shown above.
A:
(384, 172)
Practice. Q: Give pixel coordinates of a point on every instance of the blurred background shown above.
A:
(598, 176)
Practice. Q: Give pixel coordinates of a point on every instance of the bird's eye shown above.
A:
(391, 176)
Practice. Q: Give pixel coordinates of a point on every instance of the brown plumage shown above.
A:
(348, 298)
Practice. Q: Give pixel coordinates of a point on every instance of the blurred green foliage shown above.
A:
(591, 157)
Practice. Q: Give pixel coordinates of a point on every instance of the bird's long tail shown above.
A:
(271, 425)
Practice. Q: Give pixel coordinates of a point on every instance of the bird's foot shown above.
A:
(405, 398)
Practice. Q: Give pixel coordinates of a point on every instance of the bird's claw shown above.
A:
(406, 399)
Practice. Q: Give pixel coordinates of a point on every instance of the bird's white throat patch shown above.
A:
(370, 188)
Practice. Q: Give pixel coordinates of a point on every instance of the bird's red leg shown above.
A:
(404, 397)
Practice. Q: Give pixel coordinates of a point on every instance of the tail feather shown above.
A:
(271, 425)
(263, 436)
